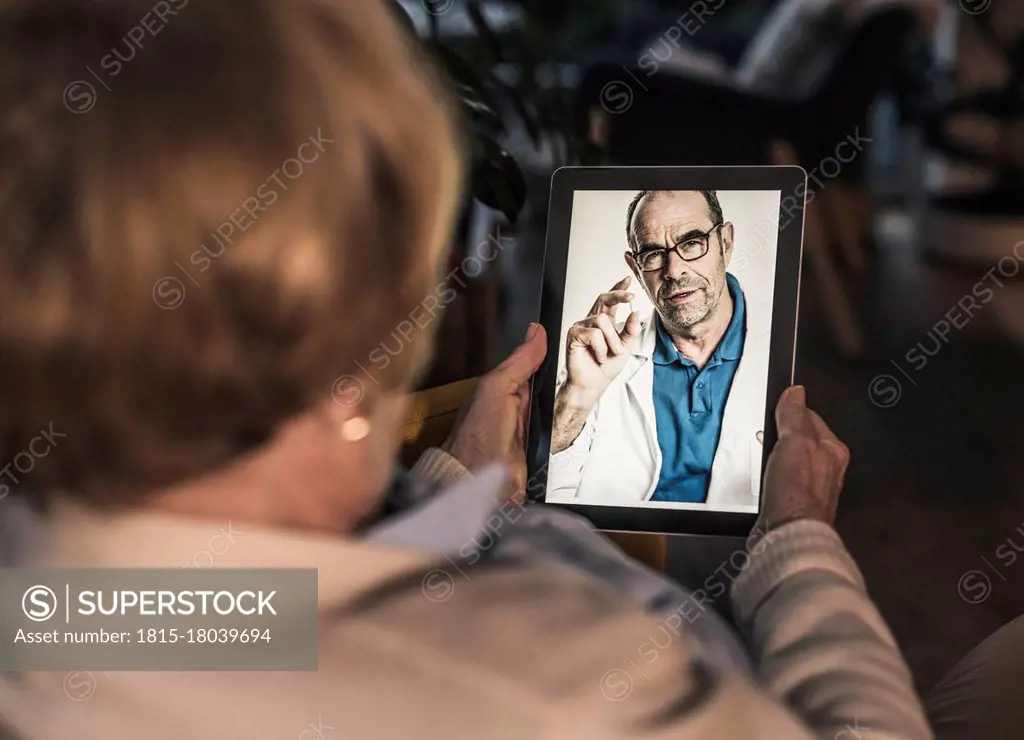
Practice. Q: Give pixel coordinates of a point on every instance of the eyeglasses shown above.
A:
(693, 247)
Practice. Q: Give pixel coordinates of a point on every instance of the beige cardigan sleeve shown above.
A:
(827, 666)
(820, 645)
(438, 467)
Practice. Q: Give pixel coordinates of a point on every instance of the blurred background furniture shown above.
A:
(971, 211)
(937, 477)
(840, 66)
(993, 149)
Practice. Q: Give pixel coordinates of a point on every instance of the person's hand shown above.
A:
(595, 351)
(492, 426)
(805, 471)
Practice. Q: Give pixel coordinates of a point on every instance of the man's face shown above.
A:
(684, 293)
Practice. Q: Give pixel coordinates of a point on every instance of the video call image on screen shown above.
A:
(665, 339)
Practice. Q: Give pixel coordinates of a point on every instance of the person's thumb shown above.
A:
(523, 363)
(791, 411)
(631, 330)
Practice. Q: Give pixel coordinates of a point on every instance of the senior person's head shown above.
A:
(679, 248)
(210, 214)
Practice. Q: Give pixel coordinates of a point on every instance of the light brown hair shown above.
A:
(209, 211)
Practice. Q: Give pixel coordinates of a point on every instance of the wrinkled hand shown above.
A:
(492, 427)
(805, 471)
(595, 350)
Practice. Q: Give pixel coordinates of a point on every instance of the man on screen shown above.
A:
(667, 407)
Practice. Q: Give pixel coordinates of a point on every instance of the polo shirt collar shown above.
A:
(731, 346)
(665, 352)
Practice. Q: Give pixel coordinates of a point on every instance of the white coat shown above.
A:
(616, 460)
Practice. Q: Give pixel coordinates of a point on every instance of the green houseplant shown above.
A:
(502, 79)
(506, 79)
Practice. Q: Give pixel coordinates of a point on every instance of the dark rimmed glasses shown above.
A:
(693, 247)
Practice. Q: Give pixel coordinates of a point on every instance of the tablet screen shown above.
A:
(662, 374)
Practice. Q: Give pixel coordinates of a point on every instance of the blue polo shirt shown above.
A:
(688, 406)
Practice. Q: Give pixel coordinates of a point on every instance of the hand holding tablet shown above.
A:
(661, 422)
(805, 474)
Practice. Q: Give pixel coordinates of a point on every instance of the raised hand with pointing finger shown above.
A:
(596, 352)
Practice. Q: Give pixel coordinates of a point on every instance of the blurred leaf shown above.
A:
(497, 181)
(527, 116)
(522, 53)
(490, 39)
(468, 82)
(483, 118)
(551, 33)
(435, 24)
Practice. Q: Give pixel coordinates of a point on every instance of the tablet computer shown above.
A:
(671, 309)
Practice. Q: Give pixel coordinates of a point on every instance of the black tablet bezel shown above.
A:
(791, 182)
